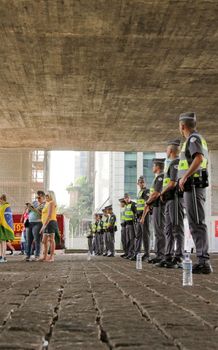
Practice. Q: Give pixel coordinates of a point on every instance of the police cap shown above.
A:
(121, 200)
(126, 195)
(158, 161)
(108, 207)
(188, 116)
(141, 178)
(175, 142)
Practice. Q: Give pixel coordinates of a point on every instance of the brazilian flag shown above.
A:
(6, 223)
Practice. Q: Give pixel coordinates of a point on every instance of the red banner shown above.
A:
(216, 228)
(18, 228)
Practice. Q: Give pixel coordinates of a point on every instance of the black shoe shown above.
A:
(202, 268)
(123, 255)
(154, 260)
(145, 257)
(105, 254)
(162, 263)
(129, 256)
(133, 258)
(175, 263)
(110, 255)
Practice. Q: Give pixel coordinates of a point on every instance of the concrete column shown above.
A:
(117, 189)
(139, 164)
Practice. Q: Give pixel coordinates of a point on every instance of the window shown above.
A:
(147, 168)
(130, 173)
(38, 156)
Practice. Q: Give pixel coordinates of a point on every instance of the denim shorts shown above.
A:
(52, 227)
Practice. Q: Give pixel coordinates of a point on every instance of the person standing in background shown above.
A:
(6, 227)
(50, 226)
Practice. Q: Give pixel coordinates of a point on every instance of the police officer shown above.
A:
(130, 217)
(123, 227)
(157, 211)
(100, 234)
(111, 229)
(142, 230)
(90, 238)
(94, 232)
(193, 180)
(105, 220)
(174, 216)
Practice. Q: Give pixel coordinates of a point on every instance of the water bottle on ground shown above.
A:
(89, 256)
(139, 261)
(187, 271)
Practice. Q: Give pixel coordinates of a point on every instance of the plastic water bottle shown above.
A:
(139, 261)
(187, 271)
(89, 256)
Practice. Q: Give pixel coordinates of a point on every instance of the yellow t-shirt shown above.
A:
(45, 213)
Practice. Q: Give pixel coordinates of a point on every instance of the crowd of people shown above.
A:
(39, 229)
(179, 183)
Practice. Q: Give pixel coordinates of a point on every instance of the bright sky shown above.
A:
(61, 174)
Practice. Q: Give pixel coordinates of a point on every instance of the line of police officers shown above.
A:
(180, 181)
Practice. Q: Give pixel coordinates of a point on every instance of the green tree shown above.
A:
(82, 209)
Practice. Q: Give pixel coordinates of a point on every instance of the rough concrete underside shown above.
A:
(106, 74)
(105, 304)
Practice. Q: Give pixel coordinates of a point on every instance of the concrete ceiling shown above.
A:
(106, 74)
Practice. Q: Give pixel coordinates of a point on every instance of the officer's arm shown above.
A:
(170, 186)
(152, 198)
(198, 158)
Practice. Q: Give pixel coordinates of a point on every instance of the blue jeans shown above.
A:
(33, 235)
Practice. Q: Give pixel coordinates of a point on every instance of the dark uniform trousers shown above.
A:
(123, 239)
(174, 233)
(110, 242)
(106, 242)
(90, 243)
(159, 222)
(198, 231)
(130, 238)
(142, 235)
(100, 242)
(97, 243)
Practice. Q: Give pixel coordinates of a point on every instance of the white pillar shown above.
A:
(117, 189)
(139, 164)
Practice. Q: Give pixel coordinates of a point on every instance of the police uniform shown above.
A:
(195, 193)
(99, 235)
(130, 216)
(90, 238)
(123, 229)
(110, 234)
(142, 230)
(174, 215)
(105, 227)
(158, 215)
(94, 231)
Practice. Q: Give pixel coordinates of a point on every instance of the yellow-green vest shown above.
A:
(140, 201)
(129, 215)
(184, 164)
(122, 215)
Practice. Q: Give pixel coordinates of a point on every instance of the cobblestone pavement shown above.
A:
(105, 303)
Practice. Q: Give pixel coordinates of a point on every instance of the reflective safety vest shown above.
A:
(105, 224)
(166, 179)
(99, 226)
(140, 201)
(129, 215)
(94, 227)
(122, 215)
(185, 162)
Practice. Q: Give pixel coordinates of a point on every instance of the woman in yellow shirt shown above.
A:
(50, 226)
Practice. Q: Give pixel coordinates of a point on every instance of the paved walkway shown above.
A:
(105, 303)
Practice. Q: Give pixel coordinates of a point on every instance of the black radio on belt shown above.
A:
(200, 181)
